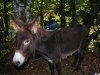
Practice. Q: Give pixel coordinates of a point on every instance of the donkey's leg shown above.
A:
(58, 67)
(51, 65)
(81, 56)
(76, 59)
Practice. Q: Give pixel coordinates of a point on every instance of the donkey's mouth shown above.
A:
(18, 59)
(17, 63)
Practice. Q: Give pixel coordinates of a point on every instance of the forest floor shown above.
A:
(89, 66)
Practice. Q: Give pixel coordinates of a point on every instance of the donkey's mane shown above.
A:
(42, 34)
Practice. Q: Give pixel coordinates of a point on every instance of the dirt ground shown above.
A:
(89, 66)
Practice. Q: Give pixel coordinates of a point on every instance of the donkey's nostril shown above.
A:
(17, 63)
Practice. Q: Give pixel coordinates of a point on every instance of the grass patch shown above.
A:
(66, 71)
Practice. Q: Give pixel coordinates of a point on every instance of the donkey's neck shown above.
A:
(42, 37)
(42, 34)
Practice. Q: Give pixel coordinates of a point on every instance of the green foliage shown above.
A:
(95, 45)
(6, 54)
(51, 7)
(48, 8)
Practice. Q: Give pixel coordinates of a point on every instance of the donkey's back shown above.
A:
(71, 39)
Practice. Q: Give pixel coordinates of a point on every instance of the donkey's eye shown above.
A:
(26, 41)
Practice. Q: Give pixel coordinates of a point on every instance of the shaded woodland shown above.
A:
(64, 12)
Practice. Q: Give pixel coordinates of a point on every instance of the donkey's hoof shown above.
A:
(76, 69)
(73, 64)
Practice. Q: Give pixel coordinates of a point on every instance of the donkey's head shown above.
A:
(25, 39)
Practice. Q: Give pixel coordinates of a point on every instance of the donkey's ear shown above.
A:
(34, 24)
(18, 25)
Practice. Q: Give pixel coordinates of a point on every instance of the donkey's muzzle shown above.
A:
(18, 59)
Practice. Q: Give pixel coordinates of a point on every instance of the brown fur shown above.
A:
(55, 45)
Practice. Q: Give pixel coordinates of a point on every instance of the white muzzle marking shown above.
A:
(18, 59)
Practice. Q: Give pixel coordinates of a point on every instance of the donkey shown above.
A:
(53, 46)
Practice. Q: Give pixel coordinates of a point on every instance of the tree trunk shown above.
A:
(62, 13)
(22, 10)
(41, 13)
(5, 21)
(73, 10)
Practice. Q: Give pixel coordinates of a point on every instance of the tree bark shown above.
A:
(22, 10)
(73, 10)
(62, 13)
(41, 13)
